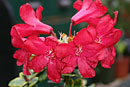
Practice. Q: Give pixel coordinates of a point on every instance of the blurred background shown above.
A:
(57, 13)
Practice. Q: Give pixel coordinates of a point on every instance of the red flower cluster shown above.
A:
(91, 45)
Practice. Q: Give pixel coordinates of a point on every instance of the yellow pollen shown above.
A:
(98, 40)
(78, 51)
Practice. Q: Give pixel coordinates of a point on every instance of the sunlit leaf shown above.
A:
(21, 74)
(17, 82)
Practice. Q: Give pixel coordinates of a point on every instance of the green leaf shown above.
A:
(17, 82)
(43, 76)
(92, 85)
(21, 75)
(33, 81)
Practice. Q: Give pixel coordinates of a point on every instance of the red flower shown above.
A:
(82, 52)
(88, 11)
(23, 58)
(106, 35)
(32, 20)
(21, 54)
(45, 56)
(19, 31)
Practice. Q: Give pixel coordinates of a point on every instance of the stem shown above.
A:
(71, 24)
(66, 79)
(27, 80)
(53, 33)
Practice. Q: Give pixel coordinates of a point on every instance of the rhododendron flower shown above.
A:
(80, 51)
(106, 35)
(83, 51)
(33, 24)
(45, 56)
(88, 11)
(22, 56)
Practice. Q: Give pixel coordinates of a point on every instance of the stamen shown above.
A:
(78, 50)
(98, 40)
(50, 54)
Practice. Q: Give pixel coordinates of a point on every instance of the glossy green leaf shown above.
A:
(17, 82)
(33, 82)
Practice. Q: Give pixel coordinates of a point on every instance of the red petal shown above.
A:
(27, 14)
(22, 30)
(60, 65)
(51, 41)
(111, 38)
(86, 4)
(43, 28)
(106, 56)
(35, 45)
(91, 29)
(19, 63)
(93, 21)
(89, 10)
(85, 69)
(26, 70)
(113, 51)
(92, 61)
(68, 69)
(64, 50)
(17, 40)
(83, 37)
(21, 55)
(105, 25)
(108, 61)
(52, 72)
(97, 9)
(38, 63)
(26, 67)
(91, 49)
(77, 5)
(67, 59)
(38, 12)
(70, 66)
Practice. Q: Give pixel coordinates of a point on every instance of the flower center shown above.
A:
(50, 54)
(78, 50)
(98, 40)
